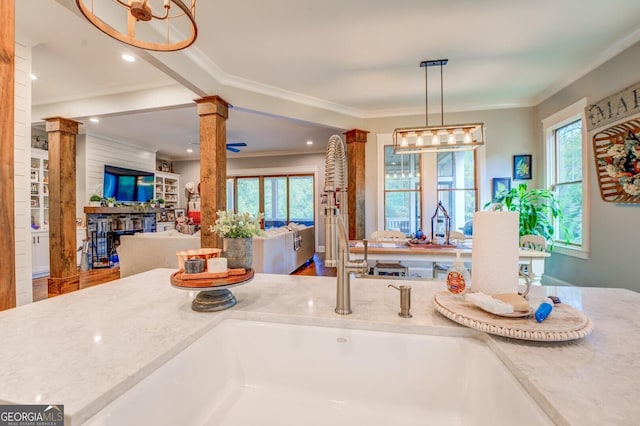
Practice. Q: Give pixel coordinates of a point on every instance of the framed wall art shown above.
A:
(522, 167)
(499, 184)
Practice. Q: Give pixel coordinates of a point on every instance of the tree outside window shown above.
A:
(282, 199)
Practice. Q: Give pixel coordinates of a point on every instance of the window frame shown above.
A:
(418, 191)
(261, 178)
(550, 124)
(451, 191)
(428, 173)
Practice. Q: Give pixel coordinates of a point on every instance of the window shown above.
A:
(248, 195)
(402, 195)
(457, 186)
(301, 197)
(275, 201)
(566, 176)
(231, 199)
(282, 198)
(413, 184)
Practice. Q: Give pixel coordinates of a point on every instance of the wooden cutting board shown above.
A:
(207, 279)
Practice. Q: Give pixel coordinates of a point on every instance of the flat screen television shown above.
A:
(127, 185)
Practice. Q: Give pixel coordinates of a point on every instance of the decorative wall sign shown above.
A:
(617, 156)
(521, 167)
(614, 107)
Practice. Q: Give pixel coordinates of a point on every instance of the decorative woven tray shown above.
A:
(564, 323)
(204, 280)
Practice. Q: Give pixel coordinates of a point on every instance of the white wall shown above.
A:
(99, 151)
(189, 171)
(614, 228)
(22, 162)
(81, 172)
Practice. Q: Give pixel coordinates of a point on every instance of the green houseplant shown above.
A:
(237, 231)
(538, 209)
(95, 200)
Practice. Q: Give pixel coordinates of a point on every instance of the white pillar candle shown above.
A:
(494, 257)
(217, 264)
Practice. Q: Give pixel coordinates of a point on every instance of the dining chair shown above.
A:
(456, 238)
(534, 242)
(389, 268)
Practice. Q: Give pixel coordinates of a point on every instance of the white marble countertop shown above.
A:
(85, 348)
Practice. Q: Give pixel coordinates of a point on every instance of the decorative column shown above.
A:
(7, 207)
(213, 112)
(61, 134)
(356, 140)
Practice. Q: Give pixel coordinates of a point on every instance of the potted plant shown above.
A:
(161, 203)
(237, 231)
(95, 200)
(111, 201)
(538, 209)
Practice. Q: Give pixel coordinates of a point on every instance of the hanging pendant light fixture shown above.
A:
(457, 137)
(160, 25)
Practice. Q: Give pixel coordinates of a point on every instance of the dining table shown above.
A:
(404, 250)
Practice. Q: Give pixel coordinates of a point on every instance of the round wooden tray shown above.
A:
(564, 323)
(214, 294)
(210, 283)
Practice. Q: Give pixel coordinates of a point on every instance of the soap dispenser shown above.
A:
(458, 278)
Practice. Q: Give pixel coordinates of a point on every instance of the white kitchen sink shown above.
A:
(259, 373)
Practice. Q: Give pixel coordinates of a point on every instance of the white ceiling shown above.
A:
(331, 62)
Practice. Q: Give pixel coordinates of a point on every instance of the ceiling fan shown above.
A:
(232, 147)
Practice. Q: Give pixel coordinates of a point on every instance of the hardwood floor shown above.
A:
(100, 276)
(316, 267)
(87, 279)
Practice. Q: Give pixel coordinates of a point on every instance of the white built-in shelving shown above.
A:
(39, 181)
(167, 187)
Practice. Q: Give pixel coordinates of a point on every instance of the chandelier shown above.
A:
(456, 137)
(160, 25)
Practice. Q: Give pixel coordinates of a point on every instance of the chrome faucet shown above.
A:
(345, 268)
(336, 241)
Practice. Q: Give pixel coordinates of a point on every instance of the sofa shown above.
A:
(283, 250)
(144, 251)
(279, 251)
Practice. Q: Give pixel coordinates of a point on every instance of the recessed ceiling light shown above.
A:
(94, 120)
(309, 142)
(128, 58)
(34, 77)
(189, 150)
